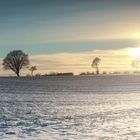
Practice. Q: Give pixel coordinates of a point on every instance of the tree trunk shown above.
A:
(32, 73)
(97, 69)
(17, 74)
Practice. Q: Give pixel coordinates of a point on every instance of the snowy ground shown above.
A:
(69, 108)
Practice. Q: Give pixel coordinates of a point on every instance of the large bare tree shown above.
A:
(15, 61)
(95, 63)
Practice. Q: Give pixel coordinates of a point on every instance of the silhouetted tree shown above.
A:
(32, 69)
(15, 61)
(95, 63)
(135, 63)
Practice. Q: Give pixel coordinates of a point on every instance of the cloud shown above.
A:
(112, 60)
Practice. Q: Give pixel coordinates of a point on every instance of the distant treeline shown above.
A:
(60, 74)
(83, 73)
(54, 74)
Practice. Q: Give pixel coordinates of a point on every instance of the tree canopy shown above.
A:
(95, 63)
(32, 69)
(15, 61)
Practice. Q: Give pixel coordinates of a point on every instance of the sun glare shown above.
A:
(136, 35)
(135, 52)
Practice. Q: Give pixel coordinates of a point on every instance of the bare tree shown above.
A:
(95, 63)
(135, 63)
(32, 69)
(15, 61)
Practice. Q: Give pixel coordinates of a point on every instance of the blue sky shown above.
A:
(44, 27)
(51, 26)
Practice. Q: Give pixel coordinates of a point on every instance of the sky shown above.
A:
(66, 35)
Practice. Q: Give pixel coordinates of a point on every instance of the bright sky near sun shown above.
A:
(65, 35)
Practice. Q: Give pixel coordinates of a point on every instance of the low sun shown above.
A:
(135, 52)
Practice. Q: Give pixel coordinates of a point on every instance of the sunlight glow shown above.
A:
(136, 35)
(135, 52)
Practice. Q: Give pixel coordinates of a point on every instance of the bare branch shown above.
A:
(15, 61)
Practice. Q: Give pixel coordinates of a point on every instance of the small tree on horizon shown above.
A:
(135, 63)
(32, 69)
(15, 61)
(95, 63)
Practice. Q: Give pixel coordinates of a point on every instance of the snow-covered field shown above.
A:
(69, 108)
